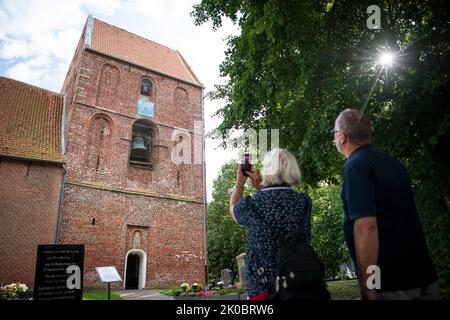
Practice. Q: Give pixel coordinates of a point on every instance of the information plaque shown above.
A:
(59, 272)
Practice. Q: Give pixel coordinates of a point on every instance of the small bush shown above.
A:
(12, 291)
(186, 287)
(196, 287)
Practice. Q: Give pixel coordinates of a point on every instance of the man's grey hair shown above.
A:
(356, 126)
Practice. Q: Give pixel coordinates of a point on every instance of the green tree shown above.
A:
(327, 237)
(226, 239)
(298, 63)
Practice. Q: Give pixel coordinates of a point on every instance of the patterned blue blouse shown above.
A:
(270, 215)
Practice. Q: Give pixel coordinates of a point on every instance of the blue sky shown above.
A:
(38, 39)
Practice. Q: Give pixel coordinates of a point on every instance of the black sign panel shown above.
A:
(59, 272)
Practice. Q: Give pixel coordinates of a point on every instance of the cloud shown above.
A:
(33, 31)
(38, 39)
(103, 7)
(24, 18)
(155, 8)
(3, 17)
(20, 71)
(39, 72)
(14, 48)
(24, 72)
(38, 62)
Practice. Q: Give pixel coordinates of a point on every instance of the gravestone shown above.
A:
(226, 276)
(241, 268)
(347, 270)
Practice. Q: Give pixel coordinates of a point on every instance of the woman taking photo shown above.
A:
(270, 215)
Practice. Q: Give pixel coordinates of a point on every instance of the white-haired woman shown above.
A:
(270, 215)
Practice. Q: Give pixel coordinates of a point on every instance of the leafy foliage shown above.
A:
(226, 239)
(298, 63)
(327, 237)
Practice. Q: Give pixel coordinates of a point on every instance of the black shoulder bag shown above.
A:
(300, 272)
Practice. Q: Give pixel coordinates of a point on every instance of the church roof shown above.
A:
(124, 45)
(30, 125)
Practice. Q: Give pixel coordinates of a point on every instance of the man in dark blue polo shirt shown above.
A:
(381, 225)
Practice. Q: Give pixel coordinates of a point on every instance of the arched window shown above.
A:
(141, 143)
(98, 144)
(146, 101)
(181, 98)
(107, 87)
(146, 87)
(182, 114)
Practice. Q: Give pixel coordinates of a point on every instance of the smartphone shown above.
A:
(247, 164)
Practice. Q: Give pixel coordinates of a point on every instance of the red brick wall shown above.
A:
(73, 72)
(103, 185)
(114, 169)
(172, 107)
(172, 233)
(29, 202)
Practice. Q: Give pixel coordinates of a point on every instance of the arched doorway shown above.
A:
(132, 277)
(135, 269)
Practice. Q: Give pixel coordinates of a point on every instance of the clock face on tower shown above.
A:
(146, 108)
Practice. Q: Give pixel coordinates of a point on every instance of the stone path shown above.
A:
(153, 294)
(143, 295)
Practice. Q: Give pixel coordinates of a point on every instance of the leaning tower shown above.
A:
(130, 103)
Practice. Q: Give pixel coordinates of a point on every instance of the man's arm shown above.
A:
(365, 231)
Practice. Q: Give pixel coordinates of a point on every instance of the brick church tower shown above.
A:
(130, 104)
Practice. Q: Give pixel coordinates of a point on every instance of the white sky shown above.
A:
(38, 39)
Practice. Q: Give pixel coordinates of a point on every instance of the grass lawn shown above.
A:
(168, 291)
(102, 295)
(339, 290)
(343, 289)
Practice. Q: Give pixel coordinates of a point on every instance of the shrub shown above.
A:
(186, 287)
(12, 291)
(196, 287)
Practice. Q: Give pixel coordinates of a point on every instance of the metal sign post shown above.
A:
(108, 275)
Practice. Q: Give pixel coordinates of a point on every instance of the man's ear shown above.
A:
(343, 138)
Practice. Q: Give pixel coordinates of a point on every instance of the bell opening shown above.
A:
(138, 143)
